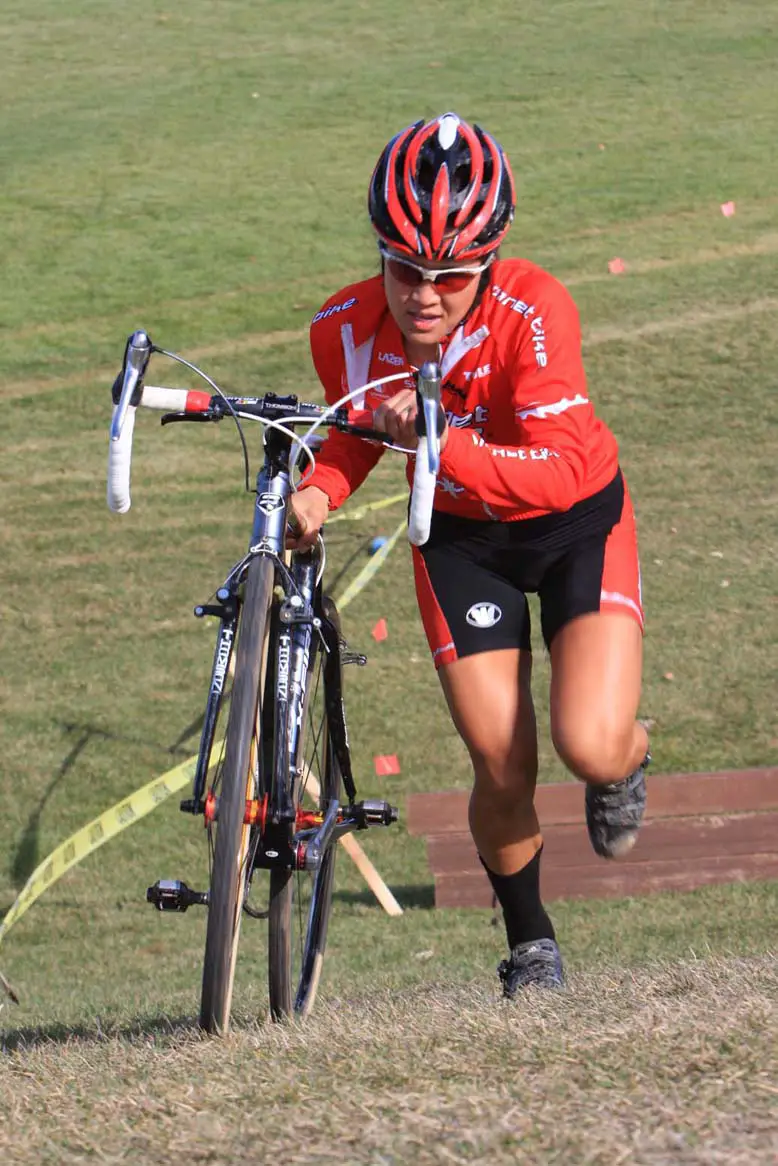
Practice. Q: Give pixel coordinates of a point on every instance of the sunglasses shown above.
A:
(448, 279)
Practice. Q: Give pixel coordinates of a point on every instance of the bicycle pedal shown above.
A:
(174, 895)
(372, 812)
(190, 806)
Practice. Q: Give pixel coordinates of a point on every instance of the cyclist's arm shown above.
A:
(550, 469)
(343, 461)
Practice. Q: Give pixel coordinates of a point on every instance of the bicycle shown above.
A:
(286, 730)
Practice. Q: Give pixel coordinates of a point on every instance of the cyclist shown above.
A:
(530, 498)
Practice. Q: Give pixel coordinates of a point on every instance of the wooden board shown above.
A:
(669, 795)
(661, 839)
(614, 880)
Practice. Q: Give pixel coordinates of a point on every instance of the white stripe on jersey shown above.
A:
(357, 362)
(460, 344)
(543, 411)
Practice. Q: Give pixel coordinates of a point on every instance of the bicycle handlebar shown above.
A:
(129, 393)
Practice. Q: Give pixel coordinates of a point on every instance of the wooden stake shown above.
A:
(358, 857)
(8, 989)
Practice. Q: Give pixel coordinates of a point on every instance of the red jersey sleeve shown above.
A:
(563, 448)
(342, 462)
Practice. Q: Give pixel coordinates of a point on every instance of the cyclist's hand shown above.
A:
(308, 511)
(397, 418)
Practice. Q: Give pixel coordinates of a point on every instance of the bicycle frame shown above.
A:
(300, 616)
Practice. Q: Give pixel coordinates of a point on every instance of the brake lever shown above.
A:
(169, 418)
(136, 358)
(430, 420)
(372, 435)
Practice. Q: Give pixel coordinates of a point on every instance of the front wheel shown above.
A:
(236, 781)
(300, 901)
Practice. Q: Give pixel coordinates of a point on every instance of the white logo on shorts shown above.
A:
(484, 615)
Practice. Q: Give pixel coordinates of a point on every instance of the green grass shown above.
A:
(201, 170)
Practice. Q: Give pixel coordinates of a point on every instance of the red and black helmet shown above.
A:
(443, 190)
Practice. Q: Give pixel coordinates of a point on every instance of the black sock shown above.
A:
(519, 896)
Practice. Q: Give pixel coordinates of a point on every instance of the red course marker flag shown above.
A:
(617, 266)
(380, 631)
(386, 765)
(728, 209)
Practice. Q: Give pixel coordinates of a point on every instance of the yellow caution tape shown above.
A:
(368, 508)
(96, 833)
(369, 570)
(129, 811)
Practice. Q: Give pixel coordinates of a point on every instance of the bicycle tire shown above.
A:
(295, 963)
(229, 872)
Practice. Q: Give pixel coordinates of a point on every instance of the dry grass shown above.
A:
(671, 1064)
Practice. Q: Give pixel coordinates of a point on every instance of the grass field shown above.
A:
(200, 171)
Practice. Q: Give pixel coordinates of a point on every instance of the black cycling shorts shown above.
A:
(472, 577)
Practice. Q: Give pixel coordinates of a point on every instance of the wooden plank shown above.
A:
(662, 838)
(669, 795)
(614, 880)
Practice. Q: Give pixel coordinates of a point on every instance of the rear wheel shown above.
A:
(236, 781)
(300, 901)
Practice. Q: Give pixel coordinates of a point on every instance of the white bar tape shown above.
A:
(119, 459)
(422, 498)
(156, 397)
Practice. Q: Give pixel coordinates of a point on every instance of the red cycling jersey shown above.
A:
(524, 439)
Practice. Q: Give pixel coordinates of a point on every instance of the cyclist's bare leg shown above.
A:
(490, 702)
(596, 663)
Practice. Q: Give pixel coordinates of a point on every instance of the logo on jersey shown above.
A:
(539, 342)
(535, 454)
(333, 310)
(391, 358)
(449, 487)
(480, 415)
(512, 303)
(484, 615)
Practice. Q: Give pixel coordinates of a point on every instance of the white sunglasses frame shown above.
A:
(432, 275)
